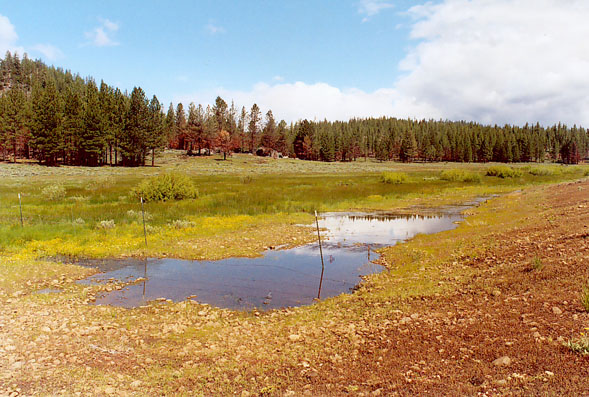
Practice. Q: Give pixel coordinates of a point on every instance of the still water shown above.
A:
(279, 278)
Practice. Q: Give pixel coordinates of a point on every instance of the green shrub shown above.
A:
(579, 345)
(586, 173)
(53, 192)
(393, 177)
(503, 171)
(543, 171)
(537, 263)
(455, 175)
(166, 187)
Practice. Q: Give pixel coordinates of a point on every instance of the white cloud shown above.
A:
(50, 52)
(369, 8)
(491, 61)
(8, 37)
(214, 29)
(103, 35)
(319, 101)
(500, 61)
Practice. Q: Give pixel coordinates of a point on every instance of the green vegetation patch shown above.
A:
(456, 175)
(166, 187)
(503, 171)
(394, 178)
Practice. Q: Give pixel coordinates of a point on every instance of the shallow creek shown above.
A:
(279, 278)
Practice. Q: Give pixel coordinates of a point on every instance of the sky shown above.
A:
(490, 61)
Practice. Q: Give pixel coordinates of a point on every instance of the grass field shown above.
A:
(243, 204)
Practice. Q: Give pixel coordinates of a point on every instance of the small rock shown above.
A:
(501, 382)
(536, 335)
(17, 365)
(110, 390)
(496, 292)
(502, 361)
(556, 310)
(549, 373)
(294, 337)
(135, 384)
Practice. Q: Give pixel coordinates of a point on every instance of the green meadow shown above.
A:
(241, 206)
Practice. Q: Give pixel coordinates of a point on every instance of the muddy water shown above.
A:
(279, 278)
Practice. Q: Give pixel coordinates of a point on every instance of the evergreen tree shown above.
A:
(46, 122)
(92, 140)
(253, 127)
(133, 142)
(408, 147)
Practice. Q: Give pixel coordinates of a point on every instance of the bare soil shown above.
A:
(517, 299)
(446, 345)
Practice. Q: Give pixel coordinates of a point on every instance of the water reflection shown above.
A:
(277, 279)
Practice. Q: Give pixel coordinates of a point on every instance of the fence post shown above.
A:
(144, 229)
(321, 253)
(20, 207)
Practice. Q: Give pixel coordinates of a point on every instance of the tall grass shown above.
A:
(503, 171)
(394, 178)
(456, 175)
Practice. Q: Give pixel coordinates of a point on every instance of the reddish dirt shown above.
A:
(508, 309)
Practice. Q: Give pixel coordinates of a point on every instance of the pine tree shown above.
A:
(13, 119)
(46, 122)
(408, 147)
(156, 137)
(134, 138)
(253, 127)
(92, 140)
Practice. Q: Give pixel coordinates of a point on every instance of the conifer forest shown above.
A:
(57, 117)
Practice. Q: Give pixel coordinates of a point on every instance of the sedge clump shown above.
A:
(456, 175)
(503, 171)
(394, 178)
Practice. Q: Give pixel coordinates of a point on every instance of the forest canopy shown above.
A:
(57, 117)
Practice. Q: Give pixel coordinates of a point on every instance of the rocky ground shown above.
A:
(502, 298)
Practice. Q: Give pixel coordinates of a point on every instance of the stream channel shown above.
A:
(279, 278)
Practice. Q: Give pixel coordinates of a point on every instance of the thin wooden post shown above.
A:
(321, 253)
(73, 222)
(20, 207)
(144, 229)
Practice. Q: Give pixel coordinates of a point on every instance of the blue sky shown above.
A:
(483, 60)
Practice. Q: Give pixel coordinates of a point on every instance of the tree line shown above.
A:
(56, 117)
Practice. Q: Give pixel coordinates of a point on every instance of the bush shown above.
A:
(105, 225)
(53, 192)
(542, 171)
(138, 216)
(579, 345)
(166, 187)
(393, 177)
(460, 176)
(182, 224)
(586, 173)
(503, 171)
